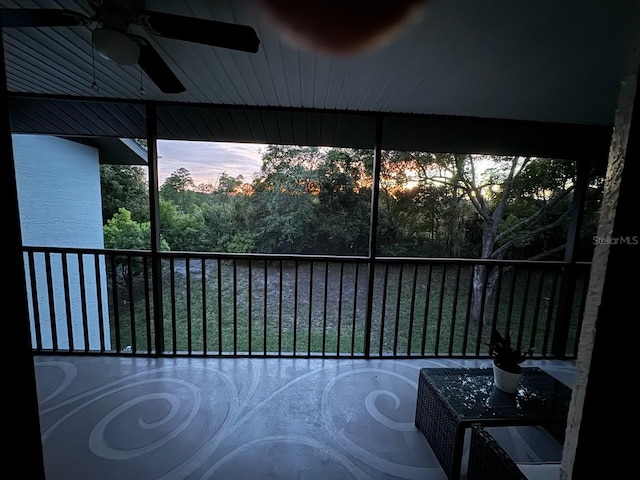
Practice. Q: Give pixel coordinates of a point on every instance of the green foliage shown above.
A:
(227, 225)
(124, 233)
(228, 184)
(241, 242)
(180, 189)
(124, 186)
(179, 181)
(182, 230)
(343, 202)
(312, 200)
(142, 142)
(318, 201)
(420, 216)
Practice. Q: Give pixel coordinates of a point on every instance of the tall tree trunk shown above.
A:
(479, 273)
(479, 292)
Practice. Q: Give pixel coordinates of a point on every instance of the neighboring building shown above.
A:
(60, 206)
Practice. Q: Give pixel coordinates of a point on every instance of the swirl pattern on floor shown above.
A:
(236, 418)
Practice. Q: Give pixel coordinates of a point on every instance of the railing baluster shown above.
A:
(235, 307)
(188, 302)
(483, 301)
(355, 308)
(295, 309)
(147, 303)
(203, 286)
(280, 312)
(454, 311)
(547, 328)
(52, 306)
(83, 303)
(523, 309)
(219, 281)
(412, 307)
(583, 301)
(132, 313)
(174, 332)
(264, 308)
(536, 311)
(339, 308)
(98, 269)
(512, 291)
(310, 307)
(384, 307)
(427, 301)
(440, 304)
(250, 304)
(67, 301)
(34, 301)
(324, 308)
(398, 302)
(116, 303)
(497, 289)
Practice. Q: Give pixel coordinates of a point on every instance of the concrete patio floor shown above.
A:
(247, 418)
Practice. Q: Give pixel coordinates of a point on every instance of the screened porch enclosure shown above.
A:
(210, 304)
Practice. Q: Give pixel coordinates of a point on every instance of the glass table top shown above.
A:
(472, 394)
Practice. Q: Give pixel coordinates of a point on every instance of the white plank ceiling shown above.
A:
(532, 60)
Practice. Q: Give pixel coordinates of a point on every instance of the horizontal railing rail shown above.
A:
(212, 304)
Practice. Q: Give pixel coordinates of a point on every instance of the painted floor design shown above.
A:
(246, 418)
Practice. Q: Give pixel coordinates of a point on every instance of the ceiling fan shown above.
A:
(113, 26)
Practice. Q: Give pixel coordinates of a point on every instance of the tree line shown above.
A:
(311, 200)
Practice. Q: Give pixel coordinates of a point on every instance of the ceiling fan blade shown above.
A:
(37, 17)
(158, 71)
(199, 30)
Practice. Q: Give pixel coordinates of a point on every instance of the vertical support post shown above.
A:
(24, 405)
(613, 289)
(373, 233)
(568, 280)
(154, 217)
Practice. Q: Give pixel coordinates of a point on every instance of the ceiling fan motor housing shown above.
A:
(116, 46)
(111, 39)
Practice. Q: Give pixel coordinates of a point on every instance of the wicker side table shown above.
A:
(440, 425)
(487, 459)
(450, 400)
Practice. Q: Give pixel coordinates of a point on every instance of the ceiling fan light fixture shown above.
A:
(116, 46)
(115, 37)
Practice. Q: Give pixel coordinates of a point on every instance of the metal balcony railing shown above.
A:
(102, 301)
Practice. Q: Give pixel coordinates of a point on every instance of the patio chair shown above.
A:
(489, 461)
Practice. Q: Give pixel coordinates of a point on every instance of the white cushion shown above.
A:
(540, 471)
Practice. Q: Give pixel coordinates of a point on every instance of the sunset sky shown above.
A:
(208, 160)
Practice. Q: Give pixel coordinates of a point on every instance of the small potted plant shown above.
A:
(507, 371)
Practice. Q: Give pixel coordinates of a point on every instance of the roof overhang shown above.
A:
(115, 151)
(74, 117)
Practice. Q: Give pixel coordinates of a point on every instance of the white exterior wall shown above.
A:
(60, 206)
